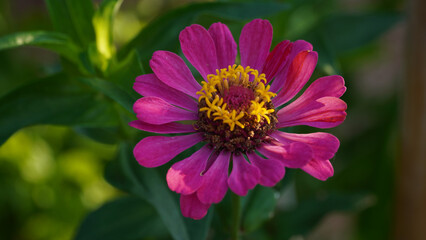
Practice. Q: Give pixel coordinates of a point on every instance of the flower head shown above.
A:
(237, 112)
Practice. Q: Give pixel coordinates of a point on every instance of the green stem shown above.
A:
(236, 216)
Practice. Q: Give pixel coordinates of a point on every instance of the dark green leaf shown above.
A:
(163, 32)
(340, 34)
(111, 90)
(146, 183)
(54, 41)
(74, 18)
(307, 215)
(347, 32)
(125, 73)
(54, 100)
(125, 218)
(199, 229)
(260, 207)
(108, 135)
(81, 12)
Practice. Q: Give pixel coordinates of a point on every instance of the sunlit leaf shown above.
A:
(54, 41)
(103, 23)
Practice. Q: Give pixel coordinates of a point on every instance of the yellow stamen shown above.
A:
(235, 76)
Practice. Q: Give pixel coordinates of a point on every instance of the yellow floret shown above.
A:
(235, 75)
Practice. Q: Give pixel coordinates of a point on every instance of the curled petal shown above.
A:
(149, 85)
(321, 170)
(297, 75)
(192, 207)
(323, 145)
(277, 59)
(244, 176)
(255, 42)
(199, 48)
(155, 151)
(184, 177)
(300, 46)
(271, 171)
(325, 112)
(156, 111)
(215, 185)
(292, 155)
(295, 48)
(329, 86)
(226, 47)
(164, 128)
(172, 70)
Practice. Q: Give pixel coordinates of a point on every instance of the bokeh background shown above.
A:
(52, 168)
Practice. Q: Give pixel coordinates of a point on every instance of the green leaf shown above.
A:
(111, 90)
(125, 72)
(349, 31)
(54, 41)
(124, 218)
(339, 34)
(103, 20)
(107, 135)
(259, 208)
(54, 100)
(128, 175)
(74, 18)
(307, 214)
(163, 32)
(199, 229)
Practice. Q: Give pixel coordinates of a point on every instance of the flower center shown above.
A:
(235, 109)
(238, 97)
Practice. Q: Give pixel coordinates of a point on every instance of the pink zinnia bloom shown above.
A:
(236, 113)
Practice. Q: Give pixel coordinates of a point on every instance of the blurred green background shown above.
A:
(52, 168)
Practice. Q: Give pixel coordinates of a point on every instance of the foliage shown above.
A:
(90, 91)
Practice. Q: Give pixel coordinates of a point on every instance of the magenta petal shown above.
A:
(155, 151)
(149, 85)
(193, 208)
(295, 48)
(244, 176)
(325, 112)
(215, 180)
(255, 42)
(292, 155)
(318, 106)
(172, 70)
(184, 177)
(199, 48)
(156, 111)
(323, 145)
(319, 169)
(226, 47)
(271, 171)
(329, 86)
(277, 59)
(297, 75)
(164, 128)
(300, 46)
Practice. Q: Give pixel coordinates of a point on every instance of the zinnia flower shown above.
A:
(236, 113)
